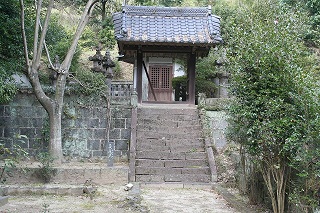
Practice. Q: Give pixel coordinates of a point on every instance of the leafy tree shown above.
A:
(54, 105)
(7, 86)
(275, 112)
(312, 37)
(10, 48)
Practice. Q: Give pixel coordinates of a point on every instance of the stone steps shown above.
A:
(170, 146)
(162, 170)
(179, 134)
(169, 111)
(181, 148)
(176, 163)
(175, 123)
(167, 155)
(185, 178)
(171, 127)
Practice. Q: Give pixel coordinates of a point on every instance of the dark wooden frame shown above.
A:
(191, 51)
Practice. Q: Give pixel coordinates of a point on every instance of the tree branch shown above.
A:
(45, 44)
(44, 31)
(65, 65)
(36, 33)
(24, 38)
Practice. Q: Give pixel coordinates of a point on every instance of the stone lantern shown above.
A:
(97, 61)
(105, 65)
(108, 65)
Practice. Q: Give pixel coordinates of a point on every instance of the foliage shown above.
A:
(11, 53)
(90, 83)
(117, 71)
(179, 84)
(106, 34)
(7, 86)
(11, 157)
(46, 170)
(88, 38)
(59, 39)
(203, 85)
(276, 109)
(312, 37)
(209, 68)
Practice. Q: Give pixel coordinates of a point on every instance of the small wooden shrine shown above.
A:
(153, 37)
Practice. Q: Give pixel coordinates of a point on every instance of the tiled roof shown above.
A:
(185, 26)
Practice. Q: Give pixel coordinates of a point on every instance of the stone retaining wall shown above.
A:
(84, 126)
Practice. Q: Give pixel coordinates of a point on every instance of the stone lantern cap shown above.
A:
(97, 57)
(107, 61)
(97, 60)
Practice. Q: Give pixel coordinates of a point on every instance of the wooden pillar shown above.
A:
(139, 75)
(191, 78)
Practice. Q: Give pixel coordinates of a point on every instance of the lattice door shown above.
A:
(160, 77)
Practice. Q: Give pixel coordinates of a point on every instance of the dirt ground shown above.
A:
(187, 200)
(107, 199)
(114, 199)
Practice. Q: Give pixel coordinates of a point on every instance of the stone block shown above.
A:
(152, 141)
(29, 132)
(194, 178)
(10, 132)
(115, 134)
(160, 155)
(121, 144)
(99, 133)
(6, 111)
(204, 170)
(81, 123)
(117, 113)
(149, 178)
(149, 163)
(185, 163)
(6, 121)
(2, 122)
(125, 133)
(187, 148)
(128, 123)
(39, 112)
(196, 155)
(151, 147)
(96, 153)
(94, 145)
(118, 123)
(36, 122)
(102, 123)
(97, 112)
(94, 123)
(157, 170)
(2, 111)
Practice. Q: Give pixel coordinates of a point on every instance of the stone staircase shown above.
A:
(169, 145)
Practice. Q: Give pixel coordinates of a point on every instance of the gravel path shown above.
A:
(188, 200)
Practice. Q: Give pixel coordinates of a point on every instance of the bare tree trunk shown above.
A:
(276, 176)
(266, 174)
(55, 142)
